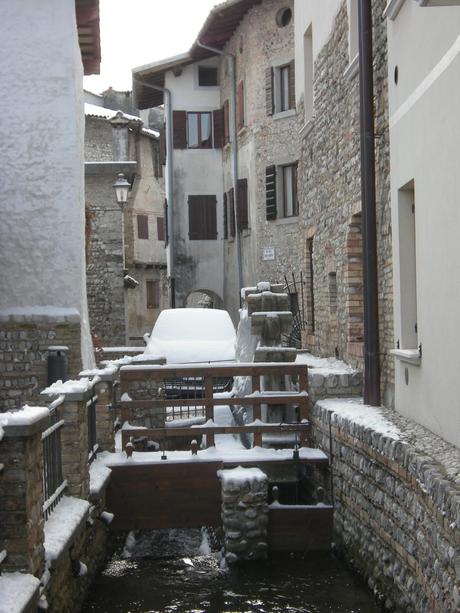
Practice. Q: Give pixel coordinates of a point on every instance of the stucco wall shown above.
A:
(42, 230)
(425, 132)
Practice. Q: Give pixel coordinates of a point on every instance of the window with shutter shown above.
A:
(180, 129)
(225, 217)
(202, 217)
(161, 228)
(270, 192)
(269, 103)
(226, 122)
(284, 87)
(240, 105)
(292, 104)
(242, 204)
(231, 203)
(153, 294)
(218, 121)
(142, 226)
(199, 130)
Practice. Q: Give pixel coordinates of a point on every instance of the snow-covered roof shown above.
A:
(150, 132)
(92, 110)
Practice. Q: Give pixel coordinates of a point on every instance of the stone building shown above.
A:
(43, 297)
(126, 258)
(327, 98)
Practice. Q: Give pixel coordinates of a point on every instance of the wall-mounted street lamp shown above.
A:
(121, 187)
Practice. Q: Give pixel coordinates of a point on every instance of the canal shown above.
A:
(178, 571)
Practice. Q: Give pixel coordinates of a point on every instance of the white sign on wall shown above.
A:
(268, 253)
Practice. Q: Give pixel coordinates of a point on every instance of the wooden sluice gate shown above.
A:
(173, 488)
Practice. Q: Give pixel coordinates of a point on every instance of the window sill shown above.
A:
(246, 232)
(284, 114)
(283, 221)
(306, 128)
(353, 68)
(411, 356)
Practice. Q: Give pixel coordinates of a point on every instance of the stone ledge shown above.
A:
(63, 526)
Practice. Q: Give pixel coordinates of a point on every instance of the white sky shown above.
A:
(143, 31)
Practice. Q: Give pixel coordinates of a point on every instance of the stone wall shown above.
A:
(397, 509)
(329, 191)
(23, 354)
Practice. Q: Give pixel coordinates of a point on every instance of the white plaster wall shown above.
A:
(187, 94)
(424, 138)
(41, 153)
(321, 16)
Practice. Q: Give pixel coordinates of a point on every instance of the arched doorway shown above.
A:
(203, 299)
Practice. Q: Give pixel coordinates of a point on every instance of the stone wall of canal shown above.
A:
(397, 507)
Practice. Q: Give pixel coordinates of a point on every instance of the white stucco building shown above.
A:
(424, 98)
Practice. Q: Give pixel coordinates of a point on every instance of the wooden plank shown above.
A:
(208, 391)
(300, 528)
(162, 433)
(291, 398)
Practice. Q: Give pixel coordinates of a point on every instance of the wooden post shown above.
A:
(209, 394)
(256, 410)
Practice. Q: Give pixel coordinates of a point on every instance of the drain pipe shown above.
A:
(234, 155)
(371, 312)
(170, 255)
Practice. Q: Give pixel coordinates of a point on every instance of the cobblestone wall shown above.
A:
(397, 510)
(23, 355)
(329, 191)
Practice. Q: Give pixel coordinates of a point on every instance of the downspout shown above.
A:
(234, 154)
(170, 255)
(370, 289)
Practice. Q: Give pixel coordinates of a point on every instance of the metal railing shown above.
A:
(93, 447)
(53, 482)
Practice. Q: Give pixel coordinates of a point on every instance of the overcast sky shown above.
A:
(142, 31)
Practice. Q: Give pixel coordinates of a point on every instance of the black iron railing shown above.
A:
(92, 428)
(53, 482)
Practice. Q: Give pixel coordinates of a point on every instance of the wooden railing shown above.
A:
(210, 373)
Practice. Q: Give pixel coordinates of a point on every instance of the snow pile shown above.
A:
(324, 366)
(25, 416)
(16, 590)
(263, 286)
(355, 411)
(109, 369)
(69, 387)
(99, 474)
(61, 525)
(241, 475)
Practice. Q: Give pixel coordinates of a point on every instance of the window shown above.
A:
(153, 294)
(207, 76)
(280, 88)
(142, 226)
(242, 204)
(283, 17)
(199, 130)
(202, 217)
(407, 267)
(281, 191)
(353, 32)
(308, 73)
(161, 229)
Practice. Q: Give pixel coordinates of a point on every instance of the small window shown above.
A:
(283, 97)
(153, 294)
(283, 17)
(161, 229)
(289, 190)
(207, 76)
(199, 130)
(142, 226)
(202, 217)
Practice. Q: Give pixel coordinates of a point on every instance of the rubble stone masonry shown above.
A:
(330, 203)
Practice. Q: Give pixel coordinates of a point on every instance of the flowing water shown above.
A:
(176, 571)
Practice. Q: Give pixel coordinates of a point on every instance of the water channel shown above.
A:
(178, 571)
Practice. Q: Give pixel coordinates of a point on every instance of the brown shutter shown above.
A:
(294, 189)
(269, 101)
(202, 217)
(226, 123)
(165, 217)
(225, 217)
(153, 294)
(231, 201)
(240, 105)
(242, 204)
(218, 121)
(270, 192)
(180, 129)
(162, 150)
(292, 104)
(142, 226)
(161, 228)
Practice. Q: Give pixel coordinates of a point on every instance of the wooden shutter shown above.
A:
(225, 217)
(202, 217)
(165, 217)
(161, 228)
(153, 294)
(242, 204)
(270, 192)
(162, 150)
(142, 226)
(231, 202)
(218, 121)
(226, 123)
(295, 196)
(180, 129)
(269, 99)
(292, 104)
(240, 105)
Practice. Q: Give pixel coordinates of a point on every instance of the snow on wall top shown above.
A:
(355, 411)
(69, 387)
(16, 589)
(60, 525)
(26, 416)
(241, 475)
